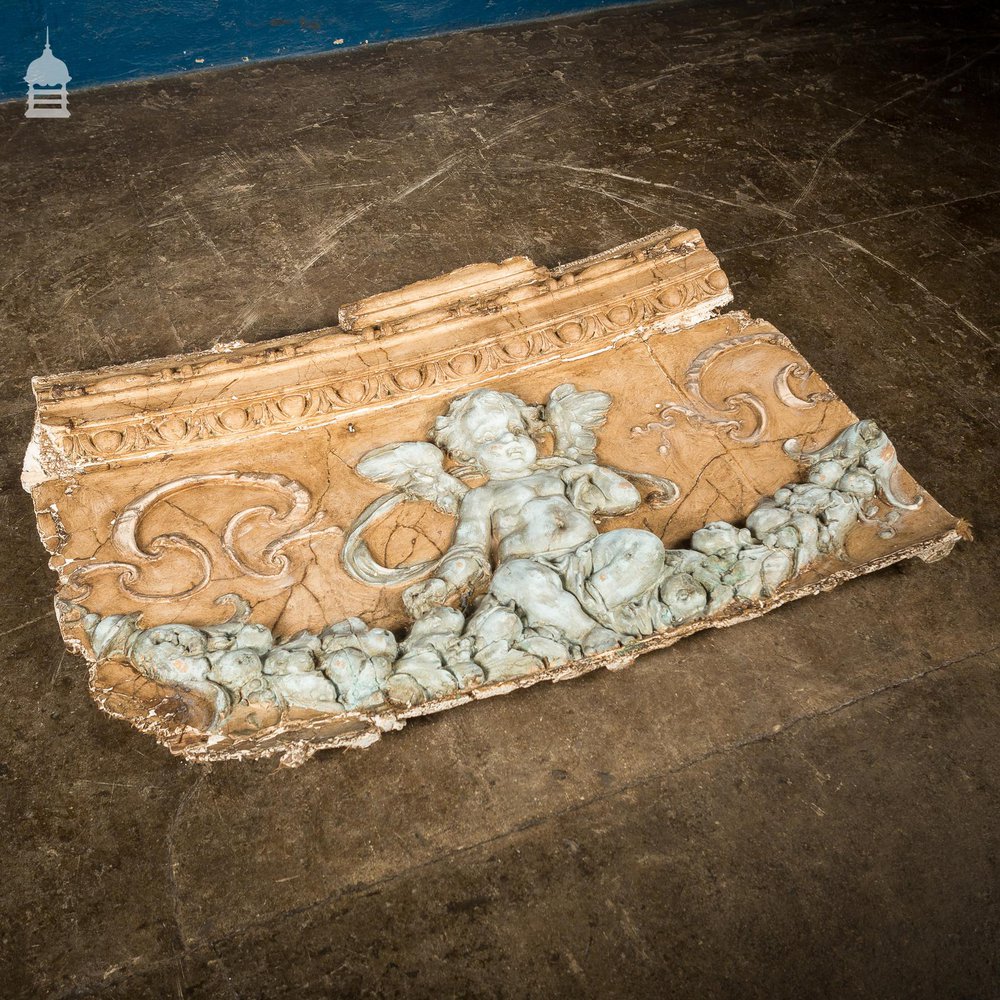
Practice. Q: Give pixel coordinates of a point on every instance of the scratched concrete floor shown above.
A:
(804, 806)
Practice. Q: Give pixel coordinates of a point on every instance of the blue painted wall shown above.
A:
(104, 41)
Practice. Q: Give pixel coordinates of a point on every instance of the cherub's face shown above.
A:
(500, 443)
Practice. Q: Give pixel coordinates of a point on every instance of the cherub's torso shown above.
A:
(532, 515)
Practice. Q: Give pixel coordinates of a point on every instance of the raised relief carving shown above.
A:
(498, 476)
(541, 585)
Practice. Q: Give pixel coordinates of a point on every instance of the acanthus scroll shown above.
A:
(274, 564)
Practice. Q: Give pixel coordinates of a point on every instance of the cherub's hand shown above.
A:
(584, 494)
(597, 490)
(423, 596)
(580, 470)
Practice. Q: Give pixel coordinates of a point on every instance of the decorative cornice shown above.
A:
(470, 326)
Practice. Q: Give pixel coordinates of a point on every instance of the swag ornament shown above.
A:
(537, 584)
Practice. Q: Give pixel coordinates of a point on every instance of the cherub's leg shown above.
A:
(628, 563)
(539, 594)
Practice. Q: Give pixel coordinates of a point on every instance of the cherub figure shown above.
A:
(530, 528)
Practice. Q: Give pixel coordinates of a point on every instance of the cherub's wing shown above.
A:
(573, 417)
(415, 468)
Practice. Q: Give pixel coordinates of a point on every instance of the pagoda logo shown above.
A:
(46, 78)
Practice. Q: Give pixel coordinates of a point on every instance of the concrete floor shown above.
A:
(813, 811)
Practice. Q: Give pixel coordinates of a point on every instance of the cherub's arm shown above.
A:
(466, 562)
(597, 490)
(468, 559)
